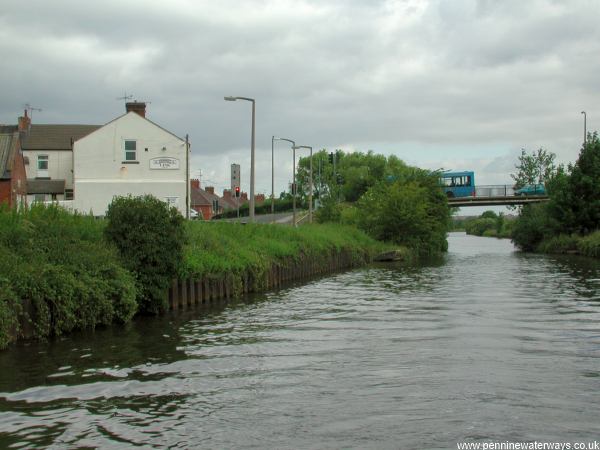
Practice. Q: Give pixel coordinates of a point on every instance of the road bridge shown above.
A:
(495, 195)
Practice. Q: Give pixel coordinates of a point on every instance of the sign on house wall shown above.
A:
(164, 163)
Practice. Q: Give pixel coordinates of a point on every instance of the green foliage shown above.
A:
(534, 168)
(532, 226)
(330, 210)
(9, 312)
(281, 205)
(574, 206)
(489, 215)
(590, 245)
(413, 213)
(584, 187)
(59, 264)
(489, 224)
(218, 248)
(150, 237)
(477, 227)
(563, 243)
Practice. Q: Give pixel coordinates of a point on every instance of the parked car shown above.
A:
(531, 189)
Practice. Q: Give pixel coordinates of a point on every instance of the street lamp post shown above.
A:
(310, 195)
(584, 127)
(275, 138)
(251, 205)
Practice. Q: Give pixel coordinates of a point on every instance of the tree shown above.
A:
(536, 168)
(413, 213)
(584, 187)
(150, 237)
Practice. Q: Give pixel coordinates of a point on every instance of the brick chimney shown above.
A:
(136, 107)
(195, 183)
(24, 122)
(227, 194)
(210, 189)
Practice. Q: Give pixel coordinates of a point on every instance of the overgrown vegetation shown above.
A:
(219, 248)
(57, 270)
(570, 220)
(384, 197)
(66, 272)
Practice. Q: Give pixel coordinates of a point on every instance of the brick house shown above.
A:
(204, 201)
(231, 202)
(13, 179)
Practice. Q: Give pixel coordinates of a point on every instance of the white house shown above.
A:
(130, 155)
(48, 156)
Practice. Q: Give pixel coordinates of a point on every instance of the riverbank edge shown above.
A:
(213, 289)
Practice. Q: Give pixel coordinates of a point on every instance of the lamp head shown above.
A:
(230, 98)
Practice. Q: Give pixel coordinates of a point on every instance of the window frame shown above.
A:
(43, 159)
(128, 151)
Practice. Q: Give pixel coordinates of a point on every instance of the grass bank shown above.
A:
(588, 245)
(59, 272)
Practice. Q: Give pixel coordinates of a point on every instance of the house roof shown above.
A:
(200, 197)
(8, 148)
(55, 137)
(45, 186)
(229, 203)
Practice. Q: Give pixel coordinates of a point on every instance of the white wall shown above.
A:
(101, 171)
(60, 165)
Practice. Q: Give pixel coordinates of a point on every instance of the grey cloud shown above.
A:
(494, 75)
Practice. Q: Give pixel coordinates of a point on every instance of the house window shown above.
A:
(68, 194)
(215, 205)
(130, 151)
(42, 162)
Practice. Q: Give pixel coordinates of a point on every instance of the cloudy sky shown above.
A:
(454, 84)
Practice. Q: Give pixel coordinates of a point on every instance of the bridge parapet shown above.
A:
(497, 190)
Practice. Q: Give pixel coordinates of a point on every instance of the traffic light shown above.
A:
(294, 188)
(237, 191)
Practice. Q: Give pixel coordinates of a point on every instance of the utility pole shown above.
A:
(187, 177)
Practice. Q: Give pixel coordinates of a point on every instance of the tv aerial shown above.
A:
(125, 97)
(30, 108)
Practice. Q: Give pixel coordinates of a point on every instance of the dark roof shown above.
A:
(8, 149)
(35, 186)
(200, 197)
(55, 137)
(8, 129)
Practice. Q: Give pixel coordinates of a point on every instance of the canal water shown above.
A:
(485, 345)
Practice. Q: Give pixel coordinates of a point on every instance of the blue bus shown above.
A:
(458, 184)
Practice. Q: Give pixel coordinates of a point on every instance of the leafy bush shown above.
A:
(531, 227)
(479, 226)
(412, 213)
(150, 237)
(60, 264)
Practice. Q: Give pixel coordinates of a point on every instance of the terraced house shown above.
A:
(48, 157)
